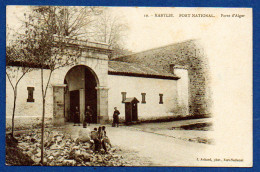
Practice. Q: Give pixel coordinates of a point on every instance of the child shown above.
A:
(94, 137)
(106, 140)
(101, 136)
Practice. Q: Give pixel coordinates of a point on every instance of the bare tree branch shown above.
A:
(10, 80)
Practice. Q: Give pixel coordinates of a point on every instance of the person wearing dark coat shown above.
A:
(88, 116)
(76, 116)
(116, 117)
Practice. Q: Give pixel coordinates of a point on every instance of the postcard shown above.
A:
(129, 86)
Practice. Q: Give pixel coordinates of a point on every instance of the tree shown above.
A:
(15, 74)
(45, 39)
(118, 51)
(16, 66)
(67, 21)
(110, 29)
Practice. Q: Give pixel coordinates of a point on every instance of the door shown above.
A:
(74, 102)
(91, 93)
(134, 112)
(128, 112)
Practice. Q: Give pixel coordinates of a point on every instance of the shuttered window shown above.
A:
(161, 98)
(30, 94)
(143, 98)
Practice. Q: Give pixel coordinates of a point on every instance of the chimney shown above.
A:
(172, 68)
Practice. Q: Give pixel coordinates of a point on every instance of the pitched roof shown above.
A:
(19, 58)
(173, 47)
(160, 59)
(134, 69)
(131, 99)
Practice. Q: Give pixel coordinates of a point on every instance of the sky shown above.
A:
(144, 32)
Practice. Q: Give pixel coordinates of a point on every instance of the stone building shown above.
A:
(167, 81)
(186, 55)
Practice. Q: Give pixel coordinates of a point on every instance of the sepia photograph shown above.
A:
(128, 86)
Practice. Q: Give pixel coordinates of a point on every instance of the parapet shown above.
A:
(84, 44)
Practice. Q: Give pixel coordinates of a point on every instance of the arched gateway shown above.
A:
(80, 92)
(82, 85)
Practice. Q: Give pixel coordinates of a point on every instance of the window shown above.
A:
(30, 94)
(161, 98)
(123, 96)
(143, 98)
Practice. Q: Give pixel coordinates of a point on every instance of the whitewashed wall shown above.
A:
(24, 108)
(175, 95)
(134, 86)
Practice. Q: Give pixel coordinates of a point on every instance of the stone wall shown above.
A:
(189, 54)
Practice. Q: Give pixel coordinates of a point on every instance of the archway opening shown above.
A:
(80, 92)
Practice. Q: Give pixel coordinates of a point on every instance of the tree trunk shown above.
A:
(43, 115)
(15, 95)
(42, 136)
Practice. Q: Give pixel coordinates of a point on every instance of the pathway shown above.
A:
(159, 149)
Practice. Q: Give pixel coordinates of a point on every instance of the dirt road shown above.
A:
(161, 150)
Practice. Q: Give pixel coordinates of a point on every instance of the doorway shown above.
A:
(91, 94)
(81, 92)
(131, 111)
(74, 102)
(134, 114)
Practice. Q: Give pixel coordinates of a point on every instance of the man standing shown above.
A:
(116, 117)
(76, 116)
(88, 116)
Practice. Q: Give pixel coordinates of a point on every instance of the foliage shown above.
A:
(43, 40)
(15, 74)
(118, 51)
(70, 21)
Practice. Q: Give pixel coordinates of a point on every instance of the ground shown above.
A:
(153, 144)
(160, 149)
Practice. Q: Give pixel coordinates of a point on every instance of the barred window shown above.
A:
(161, 98)
(30, 94)
(143, 98)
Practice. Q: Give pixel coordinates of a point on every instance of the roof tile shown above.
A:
(134, 68)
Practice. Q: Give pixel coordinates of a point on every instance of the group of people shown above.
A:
(98, 138)
(98, 135)
(88, 118)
